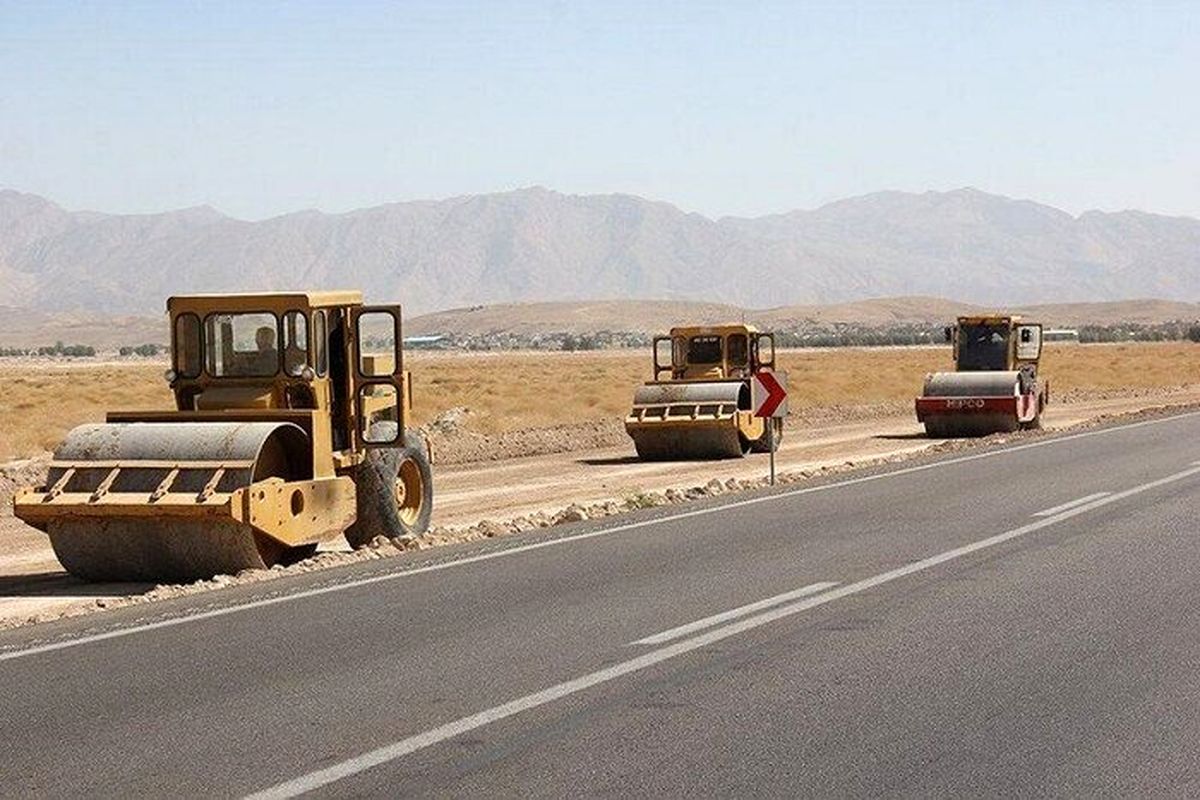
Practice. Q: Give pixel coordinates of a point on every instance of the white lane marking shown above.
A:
(512, 551)
(353, 766)
(1050, 512)
(734, 613)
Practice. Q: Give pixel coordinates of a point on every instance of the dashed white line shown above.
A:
(734, 613)
(1050, 512)
(391, 752)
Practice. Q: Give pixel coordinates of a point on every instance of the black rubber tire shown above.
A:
(1035, 424)
(375, 486)
(760, 445)
(294, 555)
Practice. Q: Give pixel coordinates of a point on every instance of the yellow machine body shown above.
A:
(277, 400)
(698, 405)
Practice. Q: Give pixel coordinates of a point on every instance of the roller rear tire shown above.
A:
(294, 555)
(394, 487)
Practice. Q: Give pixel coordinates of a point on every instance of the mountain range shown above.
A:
(22, 328)
(654, 317)
(540, 245)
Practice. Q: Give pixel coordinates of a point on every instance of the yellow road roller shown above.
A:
(698, 405)
(995, 387)
(288, 430)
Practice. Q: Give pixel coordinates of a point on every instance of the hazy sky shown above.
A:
(721, 108)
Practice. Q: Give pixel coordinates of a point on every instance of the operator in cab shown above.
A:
(266, 360)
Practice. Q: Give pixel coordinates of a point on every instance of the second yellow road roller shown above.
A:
(698, 405)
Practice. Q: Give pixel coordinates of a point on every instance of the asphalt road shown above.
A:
(1017, 620)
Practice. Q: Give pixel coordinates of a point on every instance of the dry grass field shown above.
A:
(513, 390)
(40, 403)
(507, 391)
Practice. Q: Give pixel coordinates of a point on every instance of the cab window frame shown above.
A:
(250, 312)
(178, 351)
(679, 350)
(286, 325)
(396, 346)
(705, 340)
(744, 340)
(320, 342)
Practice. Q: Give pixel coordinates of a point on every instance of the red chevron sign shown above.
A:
(768, 394)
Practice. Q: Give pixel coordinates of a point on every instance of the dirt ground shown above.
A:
(485, 487)
(535, 402)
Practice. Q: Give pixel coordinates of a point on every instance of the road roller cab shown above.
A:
(288, 430)
(698, 405)
(995, 386)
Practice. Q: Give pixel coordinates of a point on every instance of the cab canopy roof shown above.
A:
(712, 330)
(991, 319)
(265, 301)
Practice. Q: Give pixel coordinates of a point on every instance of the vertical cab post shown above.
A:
(378, 370)
(764, 351)
(659, 367)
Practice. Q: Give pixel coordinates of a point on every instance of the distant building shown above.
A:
(1060, 335)
(435, 342)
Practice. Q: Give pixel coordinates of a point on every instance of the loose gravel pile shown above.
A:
(15, 475)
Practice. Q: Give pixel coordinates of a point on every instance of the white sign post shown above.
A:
(768, 398)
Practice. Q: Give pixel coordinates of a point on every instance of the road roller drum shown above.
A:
(686, 420)
(170, 501)
(973, 384)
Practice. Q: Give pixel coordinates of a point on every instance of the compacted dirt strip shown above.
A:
(33, 586)
(469, 493)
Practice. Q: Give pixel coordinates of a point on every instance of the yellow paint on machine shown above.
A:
(289, 429)
(702, 410)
